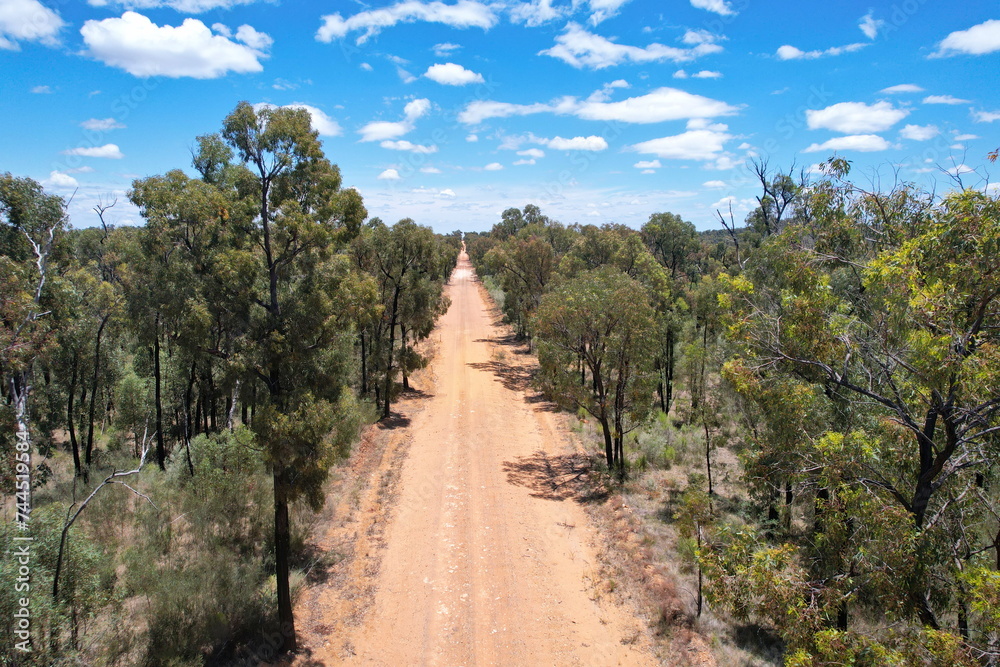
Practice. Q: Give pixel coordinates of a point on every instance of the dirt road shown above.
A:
(481, 558)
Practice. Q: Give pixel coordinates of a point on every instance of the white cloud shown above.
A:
(260, 41)
(518, 163)
(720, 7)
(707, 74)
(864, 143)
(110, 151)
(462, 14)
(450, 74)
(966, 137)
(445, 49)
(985, 116)
(493, 166)
(604, 9)
(870, 26)
(142, 48)
(944, 99)
(714, 184)
(788, 52)
(447, 192)
(389, 175)
(702, 144)
(919, 132)
(647, 164)
(472, 138)
(381, 130)
(532, 152)
(28, 21)
(430, 170)
(183, 6)
(580, 48)
(366, 67)
(42, 90)
(648, 171)
(536, 13)
(61, 179)
(902, 88)
(855, 117)
(663, 104)
(592, 143)
(680, 74)
(102, 124)
(976, 41)
(320, 122)
(404, 145)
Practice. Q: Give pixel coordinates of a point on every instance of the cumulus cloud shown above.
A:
(580, 48)
(788, 52)
(450, 74)
(61, 179)
(604, 9)
(445, 49)
(701, 144)
(536, 13)
(518, 163)
(102, 124)
(532, 152)
(870, 26)
(462, 14)
(110, 151)
(142, 48)
(184, 6)
(381, 130)
(976, 41)
(902, 88)
(855, 117)
(707, 74)
(919, 132)
(592, 143)
(28, 21)
(944, 99)
(647, 164)
(472, 138)
(714, 184)
(720, 7)
(389, 175)
(864, 143)
(662, 104)
(985, 116)
(493, 166)
(404, 145)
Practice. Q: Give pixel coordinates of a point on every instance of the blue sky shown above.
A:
(451, 111)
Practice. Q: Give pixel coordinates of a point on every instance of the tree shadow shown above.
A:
(393, 421)
(556, 477)
(512, 377)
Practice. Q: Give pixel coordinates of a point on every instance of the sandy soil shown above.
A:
(466, 545)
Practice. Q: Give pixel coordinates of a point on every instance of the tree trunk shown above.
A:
(282, 550)
(94, 394)
(388, 366)
(364, 365)
(402, 356)
(161, 448)
(71, 418)
(708, 455)
(609, 449)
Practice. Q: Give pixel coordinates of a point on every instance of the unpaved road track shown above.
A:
(484, 560)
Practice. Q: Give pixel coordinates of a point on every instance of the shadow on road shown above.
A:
(557, 477)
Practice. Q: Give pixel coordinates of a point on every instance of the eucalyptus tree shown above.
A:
(865, 335)
(270, 232)
(602, 317)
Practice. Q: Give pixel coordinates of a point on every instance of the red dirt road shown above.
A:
(482, 558)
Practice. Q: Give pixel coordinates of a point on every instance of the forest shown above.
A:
(213, 364)
(822, 379)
